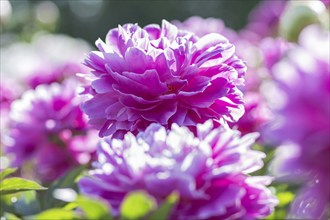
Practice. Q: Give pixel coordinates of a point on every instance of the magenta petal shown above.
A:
(163, 67)
(95, 61)
(208, 41)
(161, 113)
(139, 84)
(215, 90)
(168, 30)
(150, 79)
(134, 101)
(196, 84)
(116, 111)
(137, 60)
(103, 85)
(96, 106)
(114, 63)
(153, 31)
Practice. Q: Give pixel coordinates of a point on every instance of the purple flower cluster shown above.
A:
(175, 110)
(209, 171)
(47, 127)
(148, 80)
(303, 123)
(162, 75)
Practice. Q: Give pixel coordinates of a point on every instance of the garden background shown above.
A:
(43, 42)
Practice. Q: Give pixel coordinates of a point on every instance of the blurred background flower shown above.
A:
(302, 121)
(47, 128)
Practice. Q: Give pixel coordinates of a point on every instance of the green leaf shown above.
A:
(55, 214)
(66, 181)
(10, 216)
(284, 198)
(16, 184)
(6, 172)
(27, 203)
(6, 204)
(164, 210)
(296, 18)
(93, 209)
(137, 205)
(277, 214)
(70, 206)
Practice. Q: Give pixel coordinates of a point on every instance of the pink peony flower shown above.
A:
(209, 172)
(48, 128)
(163, 75)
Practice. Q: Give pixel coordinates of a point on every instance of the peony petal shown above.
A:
(215, 90)
(137, 60)
(103, 85)
(161, 113)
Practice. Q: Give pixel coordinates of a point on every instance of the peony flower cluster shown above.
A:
(47, 127)
(171, 109)
(303, 123)
(162, 75)
(209, 171)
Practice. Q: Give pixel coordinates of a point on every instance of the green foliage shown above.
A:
(6, 204)
(66, 181)
(136, 205)
(26, 203)
(16, 184)
(10, 216)
(18, 195)
(284, 198)
(16, 202)
(164, 210)
(93, 209)
(6, 172)
(285, 195)
(298, 16)
(55, 214)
